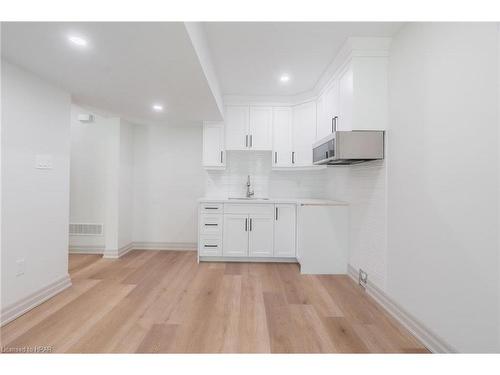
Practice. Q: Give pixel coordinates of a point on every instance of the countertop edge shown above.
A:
(296, 201)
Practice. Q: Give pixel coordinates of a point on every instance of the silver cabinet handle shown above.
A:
(211, 208)
(250, 225)
(251, 140)
(210, 245)
(211, 225)
(246, 225)
(276, 213)
(246, 140)
(275, 157)
(293, 157)
(221, 156)
(334, 123)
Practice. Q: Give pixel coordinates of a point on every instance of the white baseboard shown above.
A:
(179, 246)
(247, 259)
(115, 254)
(11, 312)
(86, 249)
(431, 341)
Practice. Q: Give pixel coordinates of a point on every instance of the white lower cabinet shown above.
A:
(284, 230)
(235, 235)
(260, 238)
(248, 235)
(247, 230)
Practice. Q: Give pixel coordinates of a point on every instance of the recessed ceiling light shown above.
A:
(284, 78)
(157, 107)
(78, 41)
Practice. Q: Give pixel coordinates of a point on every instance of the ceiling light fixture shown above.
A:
(284, 78)
(157, 107)
(78, 41)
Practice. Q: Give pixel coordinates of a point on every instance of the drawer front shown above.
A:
(249, 209)
(211, 208)
(211, 224)
(210, 246)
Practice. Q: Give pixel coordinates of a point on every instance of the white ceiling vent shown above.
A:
(85, 229)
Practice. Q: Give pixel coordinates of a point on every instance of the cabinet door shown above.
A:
(260, 128)
(331, 106)
(260, 242)
(213, 144)
(321, 128)
(236, 121)
(235, 237)
(282, 137)
(345, 99)
(284, 230)
(304, 131)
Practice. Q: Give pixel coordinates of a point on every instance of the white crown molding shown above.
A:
(353, 47)
(13, 311)
(431, 341)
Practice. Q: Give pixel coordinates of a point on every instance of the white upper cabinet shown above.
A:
(236, 124)
(260, 128)
(346, 98)
(282, 137)
(248, 127)
(363, 94)
(303, 134)
(327, 109)
(213, 145)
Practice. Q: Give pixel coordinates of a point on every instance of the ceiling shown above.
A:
(125, 68)
(129, 66)
(250, 57)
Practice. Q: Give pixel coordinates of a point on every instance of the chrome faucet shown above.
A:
(250, 192)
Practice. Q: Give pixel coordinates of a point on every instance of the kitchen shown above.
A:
(257, 187)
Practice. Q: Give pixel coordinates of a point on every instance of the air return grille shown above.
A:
(85, 229)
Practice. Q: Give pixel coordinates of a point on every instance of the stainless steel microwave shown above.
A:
(349, 147)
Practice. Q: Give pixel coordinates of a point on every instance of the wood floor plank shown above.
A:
(344, 336)
(159, 339)
(279, 323)
(253, 330)
(166, 302)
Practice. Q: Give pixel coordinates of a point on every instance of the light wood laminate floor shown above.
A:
(163, 301)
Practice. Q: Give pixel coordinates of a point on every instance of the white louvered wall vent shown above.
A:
(85, 229)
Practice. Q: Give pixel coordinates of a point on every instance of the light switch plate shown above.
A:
(43, 162)
(20, 267)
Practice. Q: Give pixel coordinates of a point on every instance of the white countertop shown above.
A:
(297, 201)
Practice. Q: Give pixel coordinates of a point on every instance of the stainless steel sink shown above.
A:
(249, 199)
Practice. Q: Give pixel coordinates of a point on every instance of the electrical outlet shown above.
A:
(43, 162)
(20, 267)
(363, 278)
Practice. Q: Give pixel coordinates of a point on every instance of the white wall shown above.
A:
(126, 185)
(231, 182)
(35, 202)
(364, 186)
(443, 181)
(102, 157)
(91, 151)
(168, 180)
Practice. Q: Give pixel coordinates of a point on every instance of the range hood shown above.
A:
(349, 147)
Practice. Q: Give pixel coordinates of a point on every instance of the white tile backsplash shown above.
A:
(231, 182)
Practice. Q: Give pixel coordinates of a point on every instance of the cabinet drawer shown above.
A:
(211, 208)
(249, 209)
(211, 224)
(210, 246)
